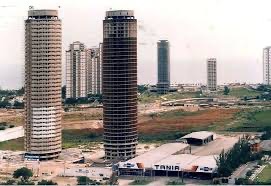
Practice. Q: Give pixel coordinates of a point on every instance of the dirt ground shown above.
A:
(92, 119)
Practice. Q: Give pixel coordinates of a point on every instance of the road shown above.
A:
(11, 133)
(241, 171)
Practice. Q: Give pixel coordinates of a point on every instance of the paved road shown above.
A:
(241, 171)
(11, 133)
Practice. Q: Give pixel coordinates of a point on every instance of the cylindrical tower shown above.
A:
(163, 69)
(119, 71)
(43, 84)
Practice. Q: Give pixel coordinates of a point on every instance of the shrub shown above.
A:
(46, 182)
(24, 173)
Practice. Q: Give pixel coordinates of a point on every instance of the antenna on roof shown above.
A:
(31, 7)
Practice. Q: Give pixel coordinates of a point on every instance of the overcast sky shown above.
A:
(233, 31)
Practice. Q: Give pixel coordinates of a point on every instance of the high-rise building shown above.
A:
(163, 57)
(76, 70)
(267, 66)
(43, 84)
(95, 71)
(211, 74)
(119, 71)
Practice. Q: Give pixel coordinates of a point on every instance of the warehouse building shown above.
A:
(169, 160)
(199, 138)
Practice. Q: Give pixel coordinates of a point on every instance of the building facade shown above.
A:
(119, 82)
(267, 66)
(95, 70)
(211, 74)
(163, 70)
(76, 70)
(43, 84)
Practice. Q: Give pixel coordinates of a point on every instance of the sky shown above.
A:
(233, 31)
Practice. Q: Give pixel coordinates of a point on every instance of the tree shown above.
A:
(20, 92)
(83, 180)
(63, 92)
(226, 90)
(46, 182)
(18, 104)
(142, 88)
(23, 173)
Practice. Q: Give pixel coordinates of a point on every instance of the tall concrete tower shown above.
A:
(267, 66)
(119, 71)
(211, 74)
(43, 84)
(163, 57)
(76, 70)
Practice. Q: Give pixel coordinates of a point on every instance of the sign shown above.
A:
(167, 167)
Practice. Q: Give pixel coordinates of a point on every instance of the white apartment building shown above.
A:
(76, 70)
(95, 71)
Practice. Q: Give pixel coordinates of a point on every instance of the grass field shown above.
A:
(151, 97)
(75, 116)
(14, 145)
(251, 121)
(242, 92)
(265, 175)
(183, 95)
(76, 137)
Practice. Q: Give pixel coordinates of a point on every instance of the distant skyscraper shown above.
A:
(43, 84)
(163, 57)
(76, 70)
(267, 66)
(211, 74)
(120, 84)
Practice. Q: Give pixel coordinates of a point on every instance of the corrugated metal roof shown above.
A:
(198, 135)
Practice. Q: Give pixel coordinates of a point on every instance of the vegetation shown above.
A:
(242, 181)
(23, 173)
(177, 114)
(252, 120)
(46, 182)
(15, 144)
(140, 181)
(63, 92)
(239, 154)
(75, 137)
(9, 182)
(226, 90)
(148, 97)
(142, 88)
(82, 116)
(175, 182)
(4, 125)
(264, 177)
(84, 180)
(242, 92)
(161, 137)
(182, 95)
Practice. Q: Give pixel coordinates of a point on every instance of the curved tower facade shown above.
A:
(119, 84)
(163, 70)
(43, 84)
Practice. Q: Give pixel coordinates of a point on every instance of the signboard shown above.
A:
(31, 157)
(167, 167)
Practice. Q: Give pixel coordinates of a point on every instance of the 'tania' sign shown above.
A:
(167, 167)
